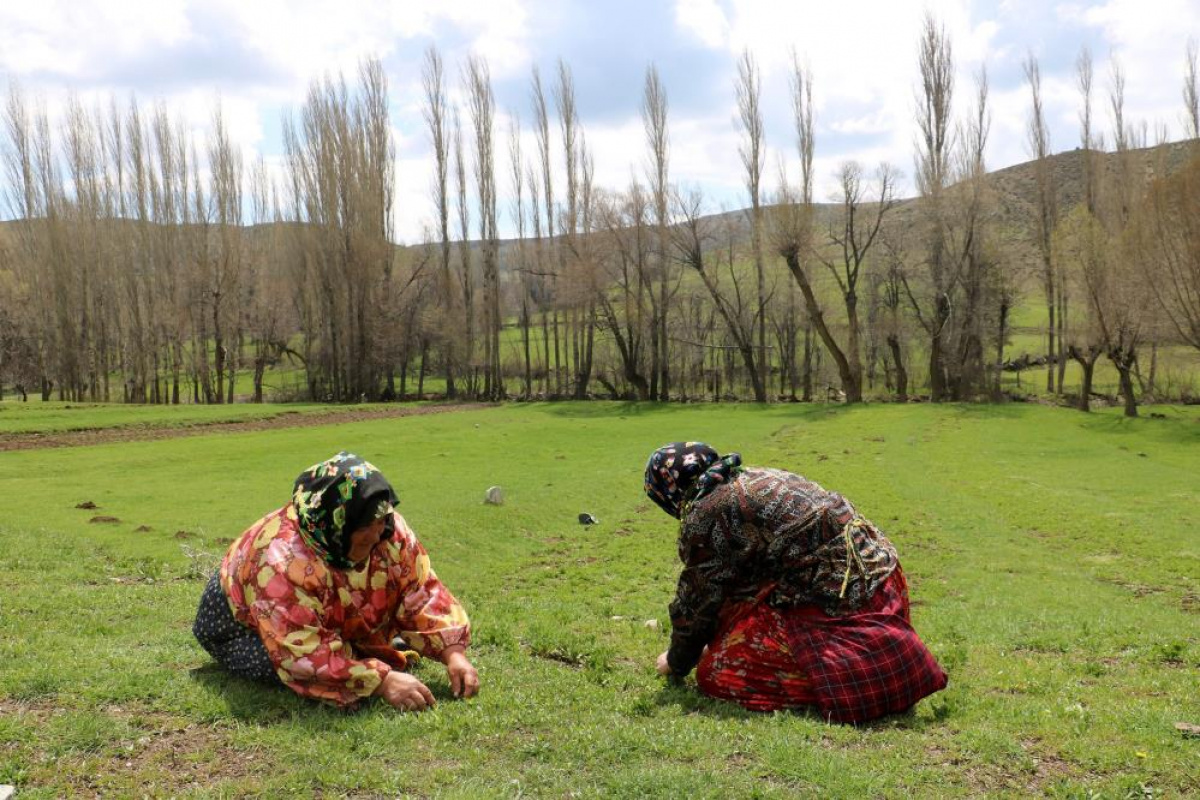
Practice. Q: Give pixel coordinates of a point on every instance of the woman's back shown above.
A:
(772, 527)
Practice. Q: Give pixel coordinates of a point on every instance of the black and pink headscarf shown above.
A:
(680, 473)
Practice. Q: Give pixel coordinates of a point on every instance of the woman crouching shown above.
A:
(787, 598)
(314, 594)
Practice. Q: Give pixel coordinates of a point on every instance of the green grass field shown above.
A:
(1052, 556)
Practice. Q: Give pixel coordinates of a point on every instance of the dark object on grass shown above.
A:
(142, 529)
(87, 504)
(587, 519)
(1188, 730)
(103, 518)
(184, 535)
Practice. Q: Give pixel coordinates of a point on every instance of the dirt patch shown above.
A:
(162, 753)
(1047, 765)
(185, 535)
(1138, 589)
(87, 505)
(335, 416)
(142, 529)
(1190, 603)
(104, 519)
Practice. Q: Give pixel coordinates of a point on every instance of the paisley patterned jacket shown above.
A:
(774, 535)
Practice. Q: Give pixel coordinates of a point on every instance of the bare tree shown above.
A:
(342, 169)
(934, 150)
(466, 265)
(546, 244)
(749, 89)
(1191, 91)
(658, 141)
(517, 175)
(478, 80)
(693, 237)
(1167, 238)
(1045, 216)
(435, 111)
(629, 240)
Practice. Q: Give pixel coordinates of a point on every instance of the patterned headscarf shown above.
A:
(336, 497)
(682, 472)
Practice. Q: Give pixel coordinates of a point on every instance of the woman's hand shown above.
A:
(405, 692)
(662, 666)
(464, 680)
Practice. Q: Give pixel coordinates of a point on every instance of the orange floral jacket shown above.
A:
(329, 631)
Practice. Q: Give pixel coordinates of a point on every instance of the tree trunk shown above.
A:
(1050, 354)
(1124, 364)
(1088, 365)
(807, 375)
(901, 373)
(421, 369)
(850, 385)
(525, 343)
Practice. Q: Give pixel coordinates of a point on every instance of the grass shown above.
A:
(1052, 557)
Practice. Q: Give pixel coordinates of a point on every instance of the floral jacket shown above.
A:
(329, 631)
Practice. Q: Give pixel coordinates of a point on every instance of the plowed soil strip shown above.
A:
(335, 416)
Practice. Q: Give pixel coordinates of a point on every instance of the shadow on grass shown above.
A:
(991, 410)
(610, 409)
(690, 701)
(269, 703)
(1180, 428)
(248, 701)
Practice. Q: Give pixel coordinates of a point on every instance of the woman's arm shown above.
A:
(428, 617)
(708, 568)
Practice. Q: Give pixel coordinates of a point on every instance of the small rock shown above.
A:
(104, 518)
(651, 624)
(617, 618)
(587, 519)
(494, 496)
(7, 791)
(1188, 730)
(87, 504)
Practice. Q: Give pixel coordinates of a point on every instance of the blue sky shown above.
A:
(260, 55)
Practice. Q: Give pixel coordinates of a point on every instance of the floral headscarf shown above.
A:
(682, 472)
(334, 498)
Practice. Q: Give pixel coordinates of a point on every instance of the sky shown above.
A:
(260, 56)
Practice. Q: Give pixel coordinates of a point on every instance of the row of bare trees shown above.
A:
(142, 266)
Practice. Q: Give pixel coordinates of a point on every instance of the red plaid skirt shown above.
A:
(851, 669)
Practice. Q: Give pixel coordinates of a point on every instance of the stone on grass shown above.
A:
(494, 496)
(7, 791)
(651, 624)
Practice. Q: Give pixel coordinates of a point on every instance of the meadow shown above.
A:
(1052, 556)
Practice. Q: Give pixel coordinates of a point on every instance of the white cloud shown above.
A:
(704, 19)
(1149, 40)
(863, 58)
